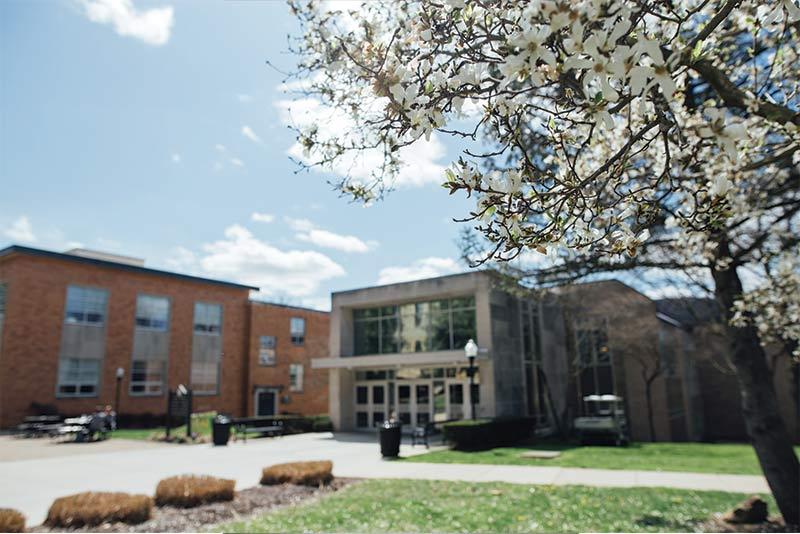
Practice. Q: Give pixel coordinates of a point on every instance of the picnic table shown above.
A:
(87, 427)
(35, 426)
(261, 425)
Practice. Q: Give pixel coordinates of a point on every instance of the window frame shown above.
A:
(78, 384)
(218, 332)
(146, 383)
(298, 340)
(100, 324)
(167, 320)
(381, 314)
(296, 388)
(262, 348)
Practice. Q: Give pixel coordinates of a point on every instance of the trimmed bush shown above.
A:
(94, 508)
(11, 520)
(484, 434)
(321, 423)
(300, 473)
(187, 491)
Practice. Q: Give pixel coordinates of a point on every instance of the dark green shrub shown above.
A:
(484, 434)
(321, 423)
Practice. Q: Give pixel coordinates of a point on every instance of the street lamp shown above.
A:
(120, 374)
(471, 352)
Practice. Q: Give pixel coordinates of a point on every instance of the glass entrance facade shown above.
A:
(414, 395)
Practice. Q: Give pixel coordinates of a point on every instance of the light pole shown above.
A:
(471, 352)
(120, 374)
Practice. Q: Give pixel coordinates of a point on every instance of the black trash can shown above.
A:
(390, 439)
(221, 430)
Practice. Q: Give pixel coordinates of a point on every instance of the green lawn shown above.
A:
(439, 506)
(201, 425)
(693, 457)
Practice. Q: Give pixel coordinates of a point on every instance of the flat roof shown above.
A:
(116, 265)
(290, 306)
(408, 282)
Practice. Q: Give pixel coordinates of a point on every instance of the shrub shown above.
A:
(186, 491)
(302, 473)
(487, 433)
(94, 508)
(321, 423)
(11, 520)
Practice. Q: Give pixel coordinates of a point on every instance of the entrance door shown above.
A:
(266, 402)
(415, 401)
(371, 404)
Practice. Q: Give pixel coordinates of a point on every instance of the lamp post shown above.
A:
(120, 374)
(471, 352)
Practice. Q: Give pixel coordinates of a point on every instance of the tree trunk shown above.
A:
(648, 395)
(762, 418)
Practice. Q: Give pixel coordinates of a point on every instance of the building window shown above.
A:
(207, 318)
(205, 377)
(147, 377)
(266, 350)
(297, 328)
(594, 362)
(295, 377)
(2, 299)
(78, 377)
(414, 327)
(85, 306)
(152, 313)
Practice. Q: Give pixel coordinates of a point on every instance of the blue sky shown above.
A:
(155, 129)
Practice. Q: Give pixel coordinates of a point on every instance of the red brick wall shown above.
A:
(36, 297)
(273, 320)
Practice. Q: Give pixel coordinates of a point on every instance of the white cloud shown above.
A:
(183, 260)
(244, 98)
(420, 269)
(308, 232)
(421, 161)
(176, 158)
(21, 231)
(237, 162)
(220, 148)
(250, 134)
(241, 256)
(262, 217)
(153, 26)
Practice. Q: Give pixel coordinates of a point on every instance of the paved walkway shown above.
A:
(30, 485)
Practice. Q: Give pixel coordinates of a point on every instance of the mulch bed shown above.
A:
(248, 502)
(717, 524)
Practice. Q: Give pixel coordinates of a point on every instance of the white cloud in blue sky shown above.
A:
(21, 231)
(418, 270)
(152, 26)
(250, 134)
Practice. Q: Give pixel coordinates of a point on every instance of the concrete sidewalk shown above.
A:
(31, 485)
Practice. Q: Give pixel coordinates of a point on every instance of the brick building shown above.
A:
(70, 321)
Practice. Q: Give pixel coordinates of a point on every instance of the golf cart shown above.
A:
(605, 420)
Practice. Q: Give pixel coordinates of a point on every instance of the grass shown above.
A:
(439, 506)
(691, 457)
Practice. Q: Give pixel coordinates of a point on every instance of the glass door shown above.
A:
(370, 404)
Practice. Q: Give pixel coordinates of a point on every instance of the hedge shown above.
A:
(187, 491)
(317, 473)
(484, 434)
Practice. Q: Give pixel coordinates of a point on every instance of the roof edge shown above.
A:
(114, 265)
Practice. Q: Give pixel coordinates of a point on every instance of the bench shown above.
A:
(422, 432)
(258, 425)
